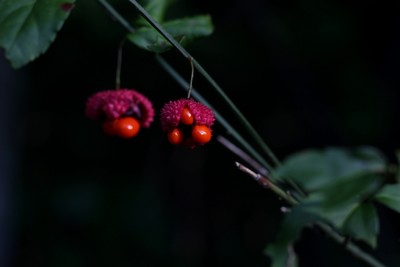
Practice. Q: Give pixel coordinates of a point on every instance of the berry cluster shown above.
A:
(187, 122)
(124, 112)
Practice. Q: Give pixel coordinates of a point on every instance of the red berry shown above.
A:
(201, 134)
(175, 136)
(126, 127)
(186, 116)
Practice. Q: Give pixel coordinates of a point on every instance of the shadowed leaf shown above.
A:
(183, 30)
(363, 224)
(28, 27)
(390, 196)
(156, 8)
(317, 169)
(281, 251)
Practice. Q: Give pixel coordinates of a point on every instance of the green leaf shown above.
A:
(281, 252)
(28, 27)
(363, 224)
(308, 168)
(183, 30)
(344, 207)
(335, 215)
(156, 9)
(339, 181)
(349, 191)
(315, 169)
(356, 219)
(389, 195)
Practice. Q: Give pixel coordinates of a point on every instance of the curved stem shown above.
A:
(119, 64)
(191, 77)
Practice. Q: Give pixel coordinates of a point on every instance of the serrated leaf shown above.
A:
(316, 169)
(183, 30)
(28, 27)
(281, 252)
(363, 224)
(389, 195)
(156, 9)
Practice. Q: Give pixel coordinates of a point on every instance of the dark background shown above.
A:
(305, 74)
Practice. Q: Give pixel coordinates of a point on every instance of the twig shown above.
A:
(266, 183)
(243, 155)
(350, 246)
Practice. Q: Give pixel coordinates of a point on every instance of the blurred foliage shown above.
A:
(29, 27)
(306, 73)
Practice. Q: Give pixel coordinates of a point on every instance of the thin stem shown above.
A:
(115, 15)
(243, 155)
(191, 77)
(350, 246)
(186, 54)
(266, 183)
(119, 63)
(234, 149)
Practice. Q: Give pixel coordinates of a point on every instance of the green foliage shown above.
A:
(282, 252)
(340, 186)
(363, 224)
(28, 27)
(316, 169)
(183, 30)
(390, 196)
(156, 9)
